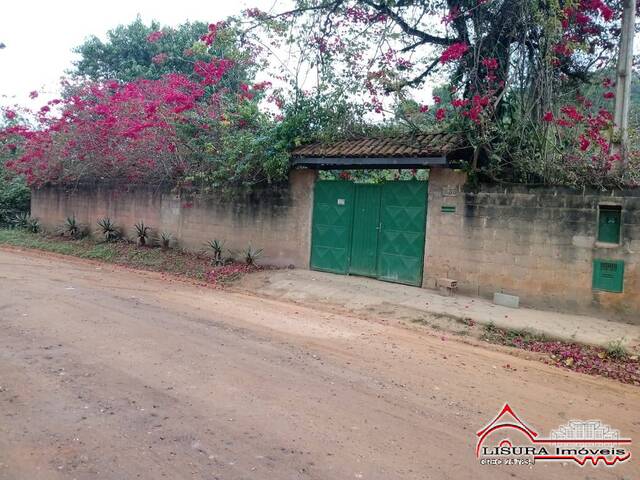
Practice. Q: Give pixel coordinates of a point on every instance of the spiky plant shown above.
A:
(142, 233)
(109, 230)
(251, 255)
(20, 220)
(217, 247)
(165, 240)
(73, 229)
(33, 225)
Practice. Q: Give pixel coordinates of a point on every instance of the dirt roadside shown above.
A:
(109, 373)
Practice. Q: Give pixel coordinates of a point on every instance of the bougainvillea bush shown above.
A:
(206, 127)
(524, 79)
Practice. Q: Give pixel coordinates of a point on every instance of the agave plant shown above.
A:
(142, 233)
(165, 240)
(33, 225)
(217, 246)
(251, 255)
(20, 220)
(110, 231)
(73, 228)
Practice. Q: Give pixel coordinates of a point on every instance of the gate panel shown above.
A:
(364, 243)
(402, 233)
(332, 223)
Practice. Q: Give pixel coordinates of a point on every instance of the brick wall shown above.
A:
(276, 219)
(537, 243)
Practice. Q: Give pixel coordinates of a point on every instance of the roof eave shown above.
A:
(334, 163)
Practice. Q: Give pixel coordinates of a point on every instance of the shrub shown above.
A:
(14, 197)
(142, 233)
(24, 221)
(109, 230)
(20, 220)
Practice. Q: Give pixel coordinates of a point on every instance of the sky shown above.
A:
(40, 34)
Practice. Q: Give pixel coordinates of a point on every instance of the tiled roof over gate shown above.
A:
(403, 146)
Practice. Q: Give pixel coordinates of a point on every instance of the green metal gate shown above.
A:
(403, 215)
(331, 231)
(376, 230)
(364, 239)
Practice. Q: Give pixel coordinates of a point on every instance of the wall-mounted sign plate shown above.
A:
(450, 191)
(341, 201)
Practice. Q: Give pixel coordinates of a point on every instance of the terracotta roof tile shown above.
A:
(410, 145)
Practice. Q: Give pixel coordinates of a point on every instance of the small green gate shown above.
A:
(331, 231)
(375, 230)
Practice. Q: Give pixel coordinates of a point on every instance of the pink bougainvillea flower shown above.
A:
(153, 37)
(261, 86)
(424, 108)
(33, 94)
(490, 63)
(571, 112)
(548, 117)
(440, 114)
(209, 37)
(584, 143)
(606, 12)
(160, 58)
(437, 99)
(256, 12)
(609, 95)
(10, 114)
(451, 16)
(454, 52)
(213, 71)
(459, 102)
(563, 49)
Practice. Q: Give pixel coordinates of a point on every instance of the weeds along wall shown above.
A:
(276, 219)
(554, 247)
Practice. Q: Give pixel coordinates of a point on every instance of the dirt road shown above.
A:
(111, 374)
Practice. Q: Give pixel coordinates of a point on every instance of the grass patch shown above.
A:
(510, 337)
(194, 265)
(616, 349)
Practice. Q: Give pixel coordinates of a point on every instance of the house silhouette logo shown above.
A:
(507, 439)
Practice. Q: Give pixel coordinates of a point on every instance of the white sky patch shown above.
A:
(40, 35)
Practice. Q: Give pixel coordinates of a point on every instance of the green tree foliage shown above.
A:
(321, 116)
(127, 54)
(14, 193)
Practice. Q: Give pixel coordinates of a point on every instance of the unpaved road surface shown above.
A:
(111, 374)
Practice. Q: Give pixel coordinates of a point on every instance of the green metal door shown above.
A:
(403, 208)
(332, 222)
(364, 240)
(609, 224)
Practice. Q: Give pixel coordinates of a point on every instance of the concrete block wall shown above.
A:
(536, 243)
(274, 218)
